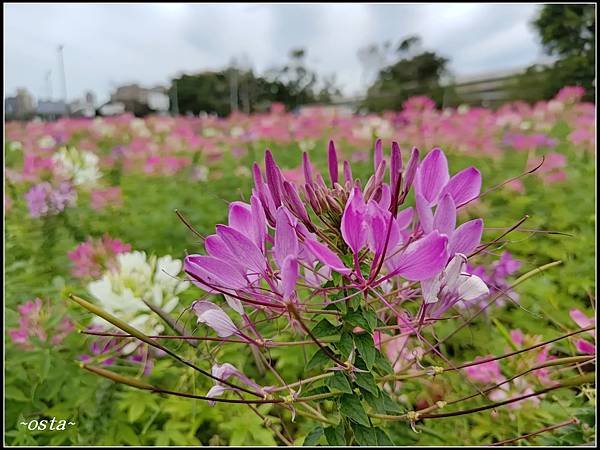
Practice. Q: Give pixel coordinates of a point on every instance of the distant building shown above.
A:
(140, 100)
(20, 105)
(85, 107)
(51, 109)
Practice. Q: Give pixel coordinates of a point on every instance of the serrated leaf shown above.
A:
(382, 364)
(345, 345)
(339, 382)
(371, 319)
(383, 440)
(356, 319)
(324, 328)
(366, 347)
(364, 435)
(367, 382)
(313, 436)
(335, 435)
(352, 408)
(319, 359)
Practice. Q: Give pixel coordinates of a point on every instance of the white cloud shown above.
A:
(107, 45)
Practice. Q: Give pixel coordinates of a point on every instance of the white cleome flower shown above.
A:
(135, 279)
(80, 166)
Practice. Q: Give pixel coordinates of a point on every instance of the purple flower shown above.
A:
(432, 180)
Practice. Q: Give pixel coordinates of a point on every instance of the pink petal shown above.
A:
(586, 347)
(333, 163)
(354, 229)
(244, 249)
(466, 237)
(464, 186)
(432, 175)
(286, 242)
(378, 156)
(214, 317)
(213, 271)
(424, 213)
(326, 256)
(424, 258)
(444, 219)
(289, 276)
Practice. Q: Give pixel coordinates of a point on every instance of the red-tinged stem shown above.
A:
(572, 421)
(489, 244)
(189, 225)
(576, 381)
(328, 352)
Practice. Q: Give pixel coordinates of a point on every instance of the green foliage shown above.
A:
(569, 32)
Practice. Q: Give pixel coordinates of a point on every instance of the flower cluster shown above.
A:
(79, 166)
(34, 325)
(92, 257)
(365, 242)
(131, 284)
(46, 200)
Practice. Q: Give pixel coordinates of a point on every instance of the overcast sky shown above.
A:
(106, 45)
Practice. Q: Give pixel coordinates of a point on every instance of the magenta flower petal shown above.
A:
(215, 246)
(464, 186)
(580, 318)
(213, 271)
(395, 164)
(586, 347)
(466, 237)
(213, 316)
(424, 213)
(286, 242)
(347, 172)
(354, 230)
(378, 155)
(274, 180)
(259, 222)
(243, 247)
(326, 256)
(411, 169)
(289, 276)
(333, 163)
(386, 196)
(307, 168)
(423, 258)
(404, 217)
(432, 175)
(444, 219)
(240, 217)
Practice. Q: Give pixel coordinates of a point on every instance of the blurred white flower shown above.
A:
(137, 278)
(80, 166)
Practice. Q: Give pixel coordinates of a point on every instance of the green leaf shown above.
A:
(324, 328)
(319, 359)
(335, 435)
(371, 318)
(136, 409)
(382, 364)
(364, 435)
(366, 347)
(383, 440)
(313, 436)
(367, 382)
(356, 319)
(339, 382)
(352, 408)
(345, 345)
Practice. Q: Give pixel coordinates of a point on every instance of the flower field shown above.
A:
(419, 277)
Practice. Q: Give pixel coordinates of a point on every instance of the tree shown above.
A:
(416, 72)
(568, 32)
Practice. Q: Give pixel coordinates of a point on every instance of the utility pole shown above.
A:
(49, 84)
(61, 64)
(175, 98)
